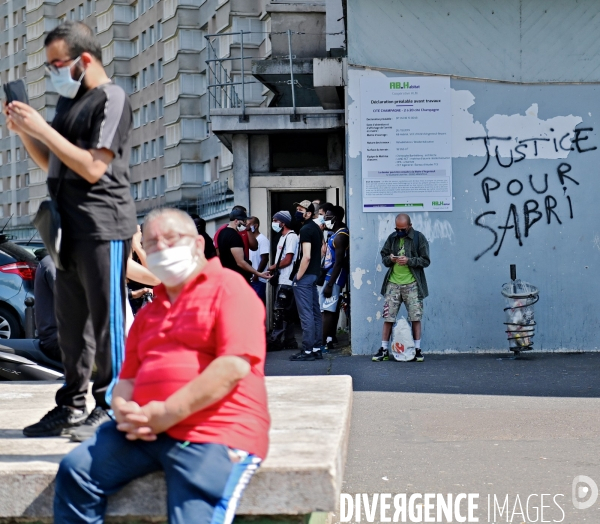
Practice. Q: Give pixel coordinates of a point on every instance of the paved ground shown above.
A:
(472, 424)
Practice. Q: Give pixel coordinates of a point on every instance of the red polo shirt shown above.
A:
(169, 345)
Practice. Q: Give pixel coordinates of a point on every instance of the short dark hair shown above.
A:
(338, 212)
(255, 219)
(239, 208)
(327, 206)
(78, 37)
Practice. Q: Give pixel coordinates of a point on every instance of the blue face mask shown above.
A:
(64, 84)
(299, 216)
(400, 233)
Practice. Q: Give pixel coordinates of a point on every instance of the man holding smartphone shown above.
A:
(406, 254)
(85, 152)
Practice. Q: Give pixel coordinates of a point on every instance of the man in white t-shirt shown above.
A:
(282, 336)
(259, 258)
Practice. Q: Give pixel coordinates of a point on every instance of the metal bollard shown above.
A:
(29, 317)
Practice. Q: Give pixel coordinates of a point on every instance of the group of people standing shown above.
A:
(309, 270)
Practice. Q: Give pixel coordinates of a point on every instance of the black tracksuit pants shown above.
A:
(90, 313)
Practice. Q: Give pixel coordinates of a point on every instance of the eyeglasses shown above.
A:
(169, 240)
(54, 69)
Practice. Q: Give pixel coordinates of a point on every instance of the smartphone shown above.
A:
(16, 91)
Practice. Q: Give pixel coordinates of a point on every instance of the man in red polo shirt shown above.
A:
(191, 397)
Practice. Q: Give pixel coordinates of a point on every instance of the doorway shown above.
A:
(284, 201)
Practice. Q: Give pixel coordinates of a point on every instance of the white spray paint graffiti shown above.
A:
(433, 229)
(357, 275)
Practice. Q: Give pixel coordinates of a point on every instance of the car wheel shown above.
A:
(9, 326)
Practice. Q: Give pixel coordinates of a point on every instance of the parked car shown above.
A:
(31, 245)
(17, 274)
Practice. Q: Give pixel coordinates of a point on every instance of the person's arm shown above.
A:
(238, 255)
(36, 150)
(252, 240)
(386, 251)
(422, 259)
(306, 248)
(139, 273)
(264, 260)
(212, 385)
(89, 164)
(285, 262)
(136, 245)
(340, 243)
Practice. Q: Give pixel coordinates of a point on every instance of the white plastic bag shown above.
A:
(402, 347)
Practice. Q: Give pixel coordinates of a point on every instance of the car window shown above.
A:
(16, 252)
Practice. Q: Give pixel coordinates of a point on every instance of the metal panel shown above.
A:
(511, 40)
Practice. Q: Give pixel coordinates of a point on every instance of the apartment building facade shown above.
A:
(156, 51)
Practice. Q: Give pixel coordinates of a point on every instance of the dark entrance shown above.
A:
(284, 201)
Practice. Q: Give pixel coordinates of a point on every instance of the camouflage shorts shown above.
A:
(395, 295)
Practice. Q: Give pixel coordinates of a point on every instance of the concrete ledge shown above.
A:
(302, 474)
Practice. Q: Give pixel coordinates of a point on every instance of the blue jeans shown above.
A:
(203, 484)
(261, 289)
(309, 311)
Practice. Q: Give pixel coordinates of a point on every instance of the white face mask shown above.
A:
(172, 266)
(329, 224)
(64, 84)
(319, 220)
(276, 226)
(241, 227)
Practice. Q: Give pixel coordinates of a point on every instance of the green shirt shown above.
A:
(401, 275)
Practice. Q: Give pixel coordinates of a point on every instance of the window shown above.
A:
(26, 179)
(16, 45)
(162, 185)
(9, 158)
(151, 36)
(142, 6)
(145, 154)
(72, 14)
(144, 77)
(19, 209)
(37, 176)
(161, 146)
(226, 157)
(169, 8)
(15, 18)
(81, 16)
(174, 177)
(1, 162)
(144, 40)
(159, 68)
(151, 73)
(207, 173)
(136, 46)
(135, 156)
(253, 26)
(136, 83)
(18, 182)
(18, 154)
(136, 11)
(136, 119)
(173, 134)
(154, 188)
(152, 111)
(153, 149)
(23, 14)
(88, 7)
(6, 23)
(134, 191)
(150, 3)
(161, 107)
(159, 30)
(144, 115)
(24, 42)
(146, 186)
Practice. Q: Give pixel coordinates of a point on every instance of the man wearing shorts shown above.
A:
(406, 254)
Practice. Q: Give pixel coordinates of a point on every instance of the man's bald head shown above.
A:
(172, 220)
(403, 221)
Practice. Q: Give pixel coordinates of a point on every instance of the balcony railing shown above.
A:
(214, 198)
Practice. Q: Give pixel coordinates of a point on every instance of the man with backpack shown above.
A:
(406, 254)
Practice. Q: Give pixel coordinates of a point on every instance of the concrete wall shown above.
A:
(556, 248)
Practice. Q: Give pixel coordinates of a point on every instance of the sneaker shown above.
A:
(305, 357)
(330, 345)
(86, 430)
(318, 355)
(381, 355)
(418, 356)
(56, 421)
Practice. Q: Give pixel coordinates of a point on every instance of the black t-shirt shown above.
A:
(312, 233)
(99, 118)
(230, 238)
